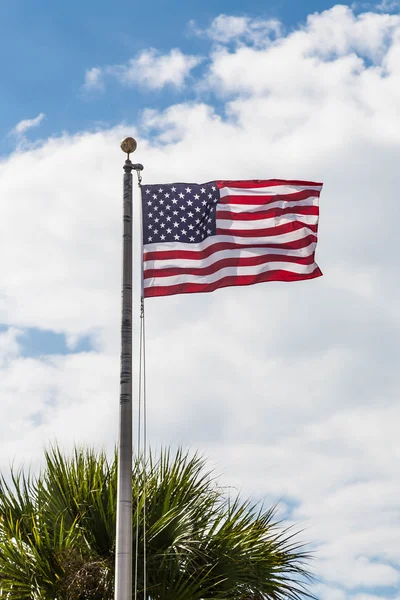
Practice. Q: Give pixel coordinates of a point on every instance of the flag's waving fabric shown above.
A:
(198, 238)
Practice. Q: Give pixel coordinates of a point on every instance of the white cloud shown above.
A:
(94, 79)
(328, 593)
(292, 390)
(149, 69)
(388, 5)
(331, 51)
(23, 126)
(370, 597)
(226, 28)
(9, 345)
(63, 398)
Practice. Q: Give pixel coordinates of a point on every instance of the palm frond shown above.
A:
(57, 534)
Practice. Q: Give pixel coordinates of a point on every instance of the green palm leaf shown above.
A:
(57, 534)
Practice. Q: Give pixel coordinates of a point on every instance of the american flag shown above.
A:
(200, 237)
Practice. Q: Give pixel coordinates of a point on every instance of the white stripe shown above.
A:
(266, 223)
(239, 208)
(282, 238)
(267, 191)
(229, 272)
(210, 260)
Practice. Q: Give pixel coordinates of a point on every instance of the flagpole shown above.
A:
(123, 548)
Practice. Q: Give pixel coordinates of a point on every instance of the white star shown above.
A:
(169, 230)
(155, 208)
(173, 189)
(150, 238)
(169, 218)
(190, 214)
(149, 203)
(150, 226)
(147, 191)
(176, 224)
(181, 195)
(183, 231)
(209, 231)
(209, 220)
(161, 201)
(197, 221)
(176, 237)
(198, 232)
(160, 190)
(150, 215)
(191, 239)
(196, 196)
(168, 207)
(156, 220)
(155, 196)
(188, 190)
(204, 202)
(182, 207)
(162, 237)
(213, 188)
(197, 209)
(166, 195)
(162, 225)
(155, 231)
(210, 195)
(191, 226)
(203, 190)
(174, 201)
(183, 219)
(161, 213)
(189, 202)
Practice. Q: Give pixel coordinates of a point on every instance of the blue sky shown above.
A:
(49, 47)
(291, 390)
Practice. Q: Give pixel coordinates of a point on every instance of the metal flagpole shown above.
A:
(123, 550)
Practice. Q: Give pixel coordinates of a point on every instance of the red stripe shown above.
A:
(257, 183)
(218, 246)
(188, 288)
(269, 231)
(227, 262)
(266, 214)
(268, 198)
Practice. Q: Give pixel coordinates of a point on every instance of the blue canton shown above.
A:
(179, 212)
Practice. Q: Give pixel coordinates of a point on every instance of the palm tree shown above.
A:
(57, 534)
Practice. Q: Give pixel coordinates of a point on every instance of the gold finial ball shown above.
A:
(128, 145)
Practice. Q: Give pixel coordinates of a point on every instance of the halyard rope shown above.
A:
(143, 320)
(141, 447)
